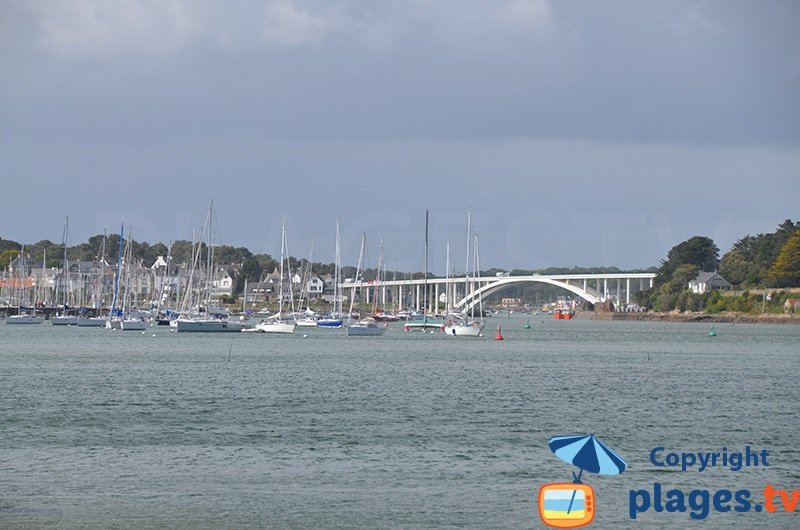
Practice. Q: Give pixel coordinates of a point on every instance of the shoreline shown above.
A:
(697, 317)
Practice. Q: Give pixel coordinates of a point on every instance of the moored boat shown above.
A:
(463, 328)
(275, 326)
(24, 318)
(423, 323)
(64, 320)
(91, 322)
(365, 328)
(206, 325)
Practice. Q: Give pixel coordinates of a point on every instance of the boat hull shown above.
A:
(126, 324)
(365, 330)
(207, 326)
(423, 325)
(133, 325)
(24, 319)
(94, 322)
(472, 329)
(334, 323)
(276, 327)
(64, 321)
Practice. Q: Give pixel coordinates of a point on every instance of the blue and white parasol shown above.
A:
(588, 453)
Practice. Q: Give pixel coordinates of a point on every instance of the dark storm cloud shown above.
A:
(558, 123)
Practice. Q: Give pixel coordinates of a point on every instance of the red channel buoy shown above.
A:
(499, 335)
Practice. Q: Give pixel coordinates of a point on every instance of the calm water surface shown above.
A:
(103, 429)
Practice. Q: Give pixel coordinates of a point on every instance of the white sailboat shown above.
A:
(119, 318)
(97, 284)
(334, 320)
(308, 317)
(463, 325)
(24, 318)
(277, 323)
(366, 327)
(64, 319)
(91, 322)
(206, 322)
(423, 322)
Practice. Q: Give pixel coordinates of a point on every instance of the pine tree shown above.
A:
(785, 271)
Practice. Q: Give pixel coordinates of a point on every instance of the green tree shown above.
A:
(680, 279)
(7, 244)
(7, 256)
(251, 272)
(785, 272)
(665, 302)
(698, 251)
(182, 251)
(749, 261)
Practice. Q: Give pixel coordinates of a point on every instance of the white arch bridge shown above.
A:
(466, 292)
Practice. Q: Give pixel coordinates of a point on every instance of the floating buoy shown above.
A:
(527, 324)
(499, 335)
(712, 333)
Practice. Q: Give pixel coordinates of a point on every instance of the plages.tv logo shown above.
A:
(572, 504)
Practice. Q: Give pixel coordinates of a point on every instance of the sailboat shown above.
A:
(277, 323)
(64, 319)
(334, 320)
(463, 325)
(379, 293)
(119, 317)
(22, 317)
(306, 318)
(423, 322)
(98, 284)
(367, 327)
(200, 297)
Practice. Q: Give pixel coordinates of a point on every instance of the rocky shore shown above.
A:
(699, 317)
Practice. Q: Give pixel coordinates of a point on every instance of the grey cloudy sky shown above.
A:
(579, 133)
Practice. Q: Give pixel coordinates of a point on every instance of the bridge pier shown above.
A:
(627, 291)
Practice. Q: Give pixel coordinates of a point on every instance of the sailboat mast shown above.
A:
(378, 271)
(209, 256)
(280, 280)
(476, 276)
(357, 282)
(127, 297)
(468, 288)
(447, 280)
(117, 272)
(337, 276)
(425, 280)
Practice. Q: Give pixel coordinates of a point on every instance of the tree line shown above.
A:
(760, 262)
(754, 262)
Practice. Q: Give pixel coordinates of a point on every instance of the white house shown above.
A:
(708, 281)
(315, 286)
(223, 285)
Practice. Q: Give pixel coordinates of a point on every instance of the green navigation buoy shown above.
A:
(527, 324)
(712, 333)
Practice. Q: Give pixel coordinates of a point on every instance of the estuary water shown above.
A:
(102, 429)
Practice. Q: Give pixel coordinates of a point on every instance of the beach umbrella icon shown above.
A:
(588, 454)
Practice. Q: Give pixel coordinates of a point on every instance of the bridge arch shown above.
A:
(471, 300)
